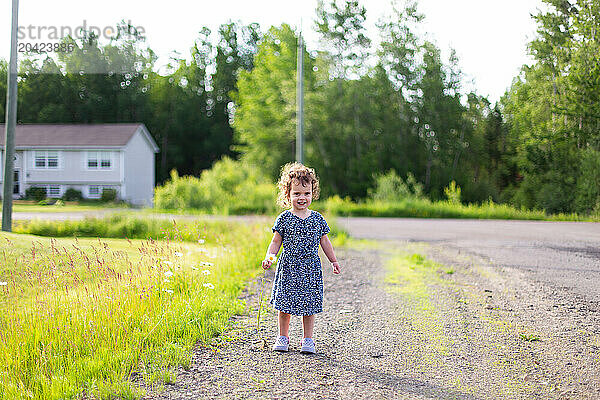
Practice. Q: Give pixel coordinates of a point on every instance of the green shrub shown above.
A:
(108, 195)
(35, 193)
(452, 193)
(72, 195)
(391, 187)
(228, 187)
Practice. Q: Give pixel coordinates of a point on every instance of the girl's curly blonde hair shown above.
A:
(295, 171)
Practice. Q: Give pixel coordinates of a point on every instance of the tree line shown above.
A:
(398, 105)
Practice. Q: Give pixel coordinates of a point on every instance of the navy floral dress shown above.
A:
(298, 285)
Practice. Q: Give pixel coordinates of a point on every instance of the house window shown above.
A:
(99, 160)
(95, 191)
(53, 191)
(46, 160)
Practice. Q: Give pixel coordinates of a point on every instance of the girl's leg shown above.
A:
(308, 323)
(284, 323)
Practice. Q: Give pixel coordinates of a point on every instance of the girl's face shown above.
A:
(300, 196)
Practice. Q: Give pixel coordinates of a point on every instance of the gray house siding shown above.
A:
(138, 170)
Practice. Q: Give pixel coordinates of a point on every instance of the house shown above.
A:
(86, 157)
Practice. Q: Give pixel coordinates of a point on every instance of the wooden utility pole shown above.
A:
(300, 101)
(11, 122)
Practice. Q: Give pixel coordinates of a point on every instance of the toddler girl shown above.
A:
(298, 285)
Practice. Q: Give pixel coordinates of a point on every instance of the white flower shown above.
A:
(206, 264)
(169, 263)
(206, 272)
(209, 285)
(166, 281)
(200, 241)
(3, 283)
(178, 254)
(168, 273)
(194, 268)
(271, 257)
(169, 291)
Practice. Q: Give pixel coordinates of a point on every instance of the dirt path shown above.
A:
(483, 333)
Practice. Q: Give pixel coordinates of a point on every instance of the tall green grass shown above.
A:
(84, 318)
(424, 208)
(122, 225)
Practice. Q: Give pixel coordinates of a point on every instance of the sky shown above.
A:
(490, 37)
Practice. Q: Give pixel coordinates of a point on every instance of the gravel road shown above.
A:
(517, 318)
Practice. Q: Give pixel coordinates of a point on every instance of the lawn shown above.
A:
(85, 317)
(27, 206)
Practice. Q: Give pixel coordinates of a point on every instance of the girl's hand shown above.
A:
(266, 264)
(336, 267)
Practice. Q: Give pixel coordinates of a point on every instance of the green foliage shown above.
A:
(72, 194)
(108, 195)
(452, 192)
(587, 195)
(391, 187)
(35, 193)
(229, 187)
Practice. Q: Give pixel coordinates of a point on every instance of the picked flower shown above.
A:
(209, 285)
(271, 257)
(168, 273)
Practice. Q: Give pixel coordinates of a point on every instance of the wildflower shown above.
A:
(168, 273)
(169, 263)
(178, 254)
(3, 283)
(194, 268)
(166, 281)
(271, 258)
(209, 285)
(169, 291)
(206, 264)
(206, 272)
(200, 241)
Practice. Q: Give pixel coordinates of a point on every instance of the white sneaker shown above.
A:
(281, 344)
(308, 346)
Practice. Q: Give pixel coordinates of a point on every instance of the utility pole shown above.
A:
(300, 101)
(11, 122)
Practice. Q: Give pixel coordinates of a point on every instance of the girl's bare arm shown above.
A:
(328, 250)
(273, 249)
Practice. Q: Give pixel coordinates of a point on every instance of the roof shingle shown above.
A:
(83, 135)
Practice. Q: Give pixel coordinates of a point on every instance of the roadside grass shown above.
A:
(85, 318)
(133, 226)
(423, 208)
(26, 206)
